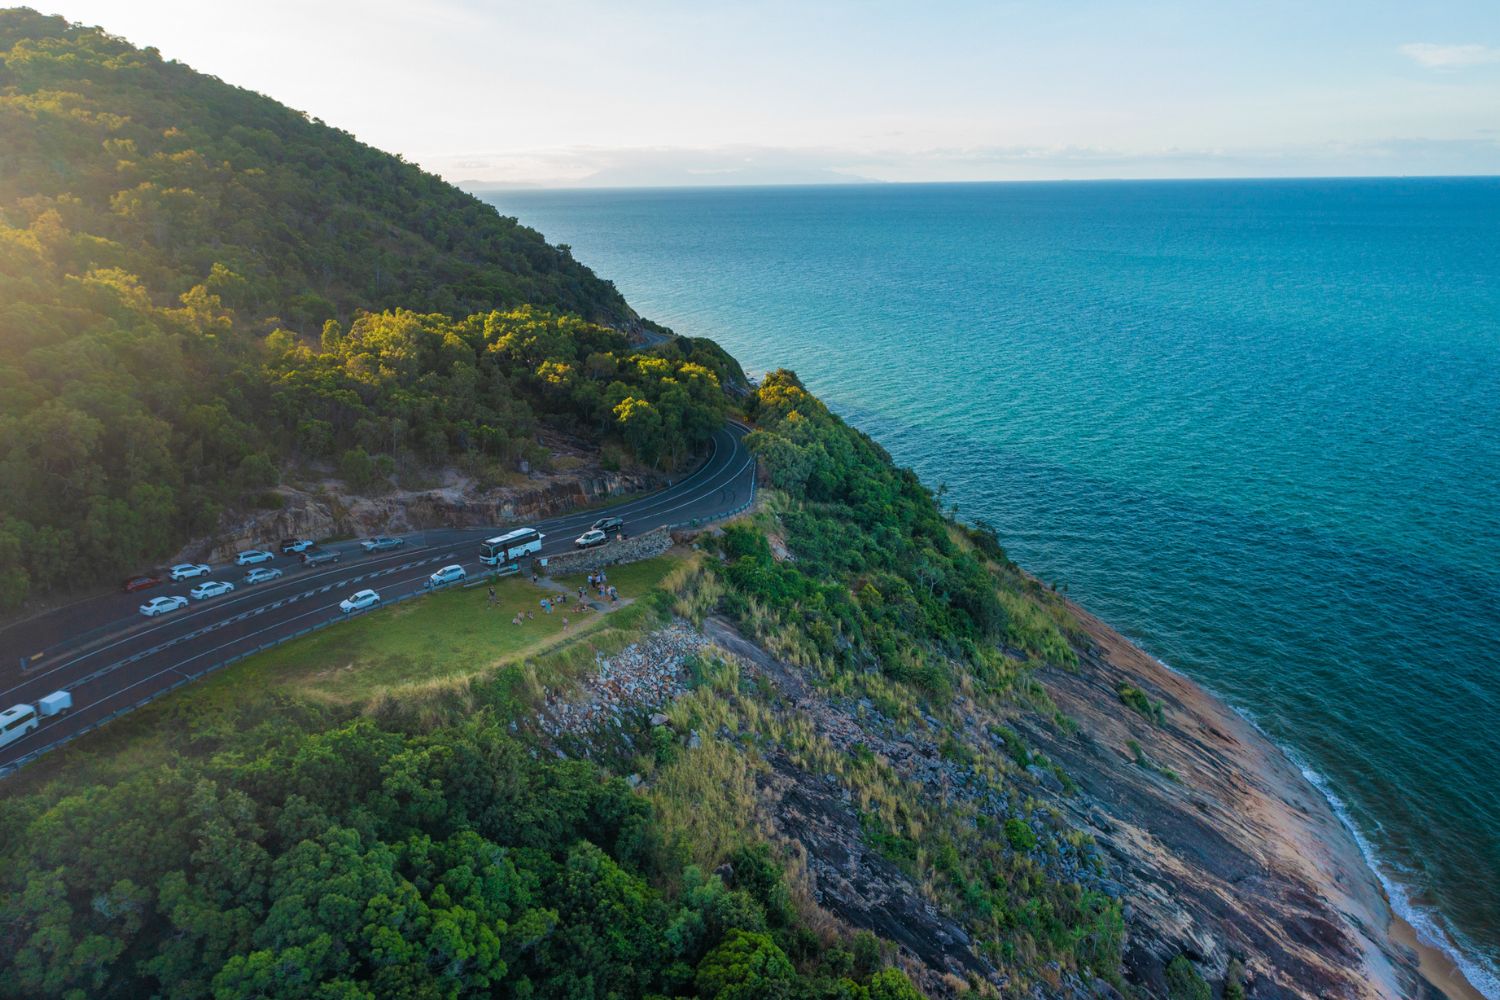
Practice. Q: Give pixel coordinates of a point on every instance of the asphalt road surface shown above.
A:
(110, 657)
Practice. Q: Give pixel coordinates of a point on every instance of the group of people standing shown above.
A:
(598, 581)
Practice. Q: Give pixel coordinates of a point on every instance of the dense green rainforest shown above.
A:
(198, 288)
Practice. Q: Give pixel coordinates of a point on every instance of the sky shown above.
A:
(662, 92)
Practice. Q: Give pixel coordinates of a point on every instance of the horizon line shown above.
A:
(522, 186)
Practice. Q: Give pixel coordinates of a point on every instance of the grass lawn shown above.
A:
(443, 637)
(450, 634)
(630, 579)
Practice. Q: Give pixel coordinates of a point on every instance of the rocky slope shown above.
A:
(1222, 847)
(1219, 847)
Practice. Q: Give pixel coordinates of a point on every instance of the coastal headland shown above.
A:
(1224, 841)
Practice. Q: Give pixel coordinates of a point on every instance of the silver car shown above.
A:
(590, 538)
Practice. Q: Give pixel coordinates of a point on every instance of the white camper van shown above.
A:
(17, 721)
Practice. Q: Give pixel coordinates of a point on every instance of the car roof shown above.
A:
(364, 593)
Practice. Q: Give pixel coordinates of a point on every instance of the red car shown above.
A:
(140, 583)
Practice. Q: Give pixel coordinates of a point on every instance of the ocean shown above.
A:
(1255, 425)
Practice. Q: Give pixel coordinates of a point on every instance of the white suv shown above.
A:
(186, 571)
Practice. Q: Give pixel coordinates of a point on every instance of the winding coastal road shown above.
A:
(111, 658)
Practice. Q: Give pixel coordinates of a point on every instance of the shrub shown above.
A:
(1135, 698)
(1234, 980)
(747, 966)
(892, 984)
(1020, 835)
(1184, 983)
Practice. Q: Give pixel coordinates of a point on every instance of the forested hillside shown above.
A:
(200, 287)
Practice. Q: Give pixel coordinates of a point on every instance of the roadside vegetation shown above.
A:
(216, 288)
(201, 288)
(438, 638)
(391, 838)
(853, 575)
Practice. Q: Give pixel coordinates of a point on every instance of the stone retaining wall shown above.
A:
(632, 549)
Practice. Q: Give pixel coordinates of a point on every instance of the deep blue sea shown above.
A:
(1255, 425)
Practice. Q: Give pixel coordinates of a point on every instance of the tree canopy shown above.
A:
(200, 288)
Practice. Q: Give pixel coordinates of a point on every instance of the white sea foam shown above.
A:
(1426, 921)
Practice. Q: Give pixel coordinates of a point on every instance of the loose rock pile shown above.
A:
(642, 677)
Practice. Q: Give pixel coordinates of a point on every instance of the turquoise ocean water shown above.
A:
(1254, 425)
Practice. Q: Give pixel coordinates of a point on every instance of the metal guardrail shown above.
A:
(696, 521)
(20, 762)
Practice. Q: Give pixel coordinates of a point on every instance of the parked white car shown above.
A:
(161, 605)
(252, 557)
(590, 538)
(447, 575)
(359, 601)
(186, 571)
(211, 588)
(262, 575)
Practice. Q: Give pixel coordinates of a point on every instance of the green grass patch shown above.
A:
(445, 636)
(1135, 698)
(630, 579)
(335, 672)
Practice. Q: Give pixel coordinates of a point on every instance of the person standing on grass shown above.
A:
(493, 602)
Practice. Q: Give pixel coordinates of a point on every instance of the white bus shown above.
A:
(510, 546)
(15, 722)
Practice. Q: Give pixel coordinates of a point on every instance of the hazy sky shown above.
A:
(665, 92)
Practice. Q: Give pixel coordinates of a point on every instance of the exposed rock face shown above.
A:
(1218, 846)
(813, 818)
(330, 513)
(1238, 857)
